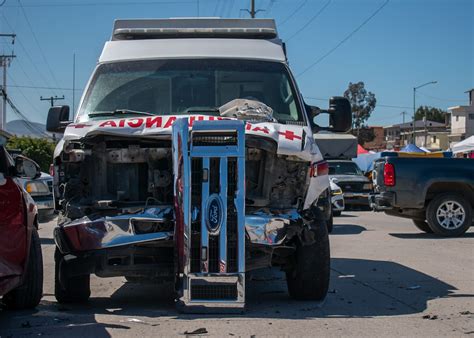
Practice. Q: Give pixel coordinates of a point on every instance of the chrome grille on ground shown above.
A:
(209, 169)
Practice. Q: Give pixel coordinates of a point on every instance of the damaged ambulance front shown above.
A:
(192, 170)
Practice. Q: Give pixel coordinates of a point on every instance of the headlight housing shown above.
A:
(336, 192)
(37, 188)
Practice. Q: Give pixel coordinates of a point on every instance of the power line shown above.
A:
(94, 4)
(26, 76)
(49, 88)
(378, 104)
(217, 7)
(310, 21)
(345, 39)
(231, 6)
(439, 98)
(293, 13)
(38, 44)
(269, 7)
(34, 107)
(30, 59)
(34, 129)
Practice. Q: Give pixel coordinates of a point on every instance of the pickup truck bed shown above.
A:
(437, 193)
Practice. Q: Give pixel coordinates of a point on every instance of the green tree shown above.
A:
(39, 150)
(365, 134)
(431, 113)
(363, 104)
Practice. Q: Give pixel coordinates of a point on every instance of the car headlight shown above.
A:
(35, 188)
(367, 186)
(336, 192)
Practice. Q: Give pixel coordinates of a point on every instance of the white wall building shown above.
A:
(462, 120)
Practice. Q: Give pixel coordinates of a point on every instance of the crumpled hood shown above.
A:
(291, 139)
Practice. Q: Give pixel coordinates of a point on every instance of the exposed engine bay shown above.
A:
(109, 175)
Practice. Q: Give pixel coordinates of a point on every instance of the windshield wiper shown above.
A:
(119, 112)
(201, 110)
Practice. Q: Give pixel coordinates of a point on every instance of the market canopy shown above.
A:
(464, 146)
(366, 161)
(361, 150)
(411, 148)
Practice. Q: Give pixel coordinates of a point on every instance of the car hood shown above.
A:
(291, 139)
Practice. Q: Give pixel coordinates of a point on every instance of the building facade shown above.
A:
(378, 143)
(462, 120)
(430, 135)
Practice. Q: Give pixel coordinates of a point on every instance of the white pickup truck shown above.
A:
(191, 159)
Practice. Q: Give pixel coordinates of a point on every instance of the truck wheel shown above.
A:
(29, 294)
(449, 215)
(309, 280)
(74, 289)
(423, 226)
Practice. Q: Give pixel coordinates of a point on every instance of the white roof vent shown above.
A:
(140, 29)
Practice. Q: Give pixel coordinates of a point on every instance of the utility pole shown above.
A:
(252, 9)
(51, 99)
(5, 61)
(73, 85)
(253, 12)
(403, 113)
(414, 107)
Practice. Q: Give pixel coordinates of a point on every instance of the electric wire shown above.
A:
(344, 40)
(285, 20)
(314, 17)
(39, 45)
(34, 129)
(28, 56)
(96, 4)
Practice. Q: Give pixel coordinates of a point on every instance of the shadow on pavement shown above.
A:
(423, 235)
(47, 241)
(347, 229)
(345, 215)
(51, 318)
(359, 288)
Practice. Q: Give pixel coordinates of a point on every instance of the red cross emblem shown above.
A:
(289, 135)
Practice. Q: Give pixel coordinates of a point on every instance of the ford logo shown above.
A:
(214, 214)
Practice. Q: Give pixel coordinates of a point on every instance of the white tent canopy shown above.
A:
(464, 146)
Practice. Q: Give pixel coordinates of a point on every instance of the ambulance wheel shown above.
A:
(309, 279)
(69, 289)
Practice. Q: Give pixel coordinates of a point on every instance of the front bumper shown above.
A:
(356, 198)
(44, 202)
(262, 227)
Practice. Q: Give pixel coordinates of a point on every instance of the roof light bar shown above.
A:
(194, 28)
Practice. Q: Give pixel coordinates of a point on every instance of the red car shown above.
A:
(21, 261)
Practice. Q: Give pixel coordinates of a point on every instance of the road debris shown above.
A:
(430, 317)
(201, 330)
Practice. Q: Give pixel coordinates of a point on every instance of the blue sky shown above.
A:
(408, 43)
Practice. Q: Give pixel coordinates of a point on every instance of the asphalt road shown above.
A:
(387, 279)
